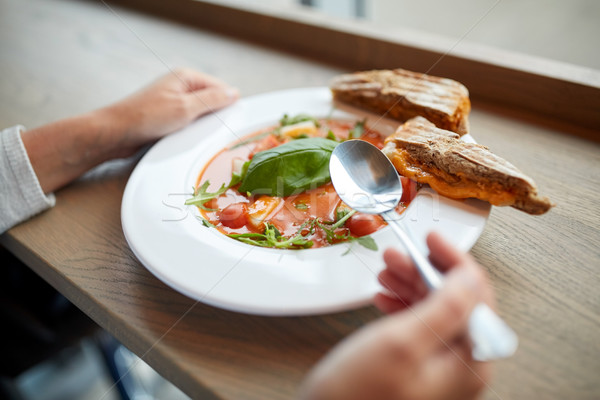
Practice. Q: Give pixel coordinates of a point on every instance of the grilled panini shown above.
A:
(456, 169)
(402, 95)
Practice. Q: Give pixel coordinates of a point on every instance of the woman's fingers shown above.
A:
(445, 257)
(388, 304)
(401, 265)
(442, 254)
(210, 99)
(398, 292)
(396, 295)
(401, 281)
(442, 317)
(202, 93)
(188, 80)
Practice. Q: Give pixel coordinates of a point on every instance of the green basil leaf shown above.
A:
(290, 168)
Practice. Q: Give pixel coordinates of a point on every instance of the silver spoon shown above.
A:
(367, 181)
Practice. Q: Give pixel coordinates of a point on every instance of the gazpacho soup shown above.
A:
(273, 189)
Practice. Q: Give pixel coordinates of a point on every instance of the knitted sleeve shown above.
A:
(21, 195)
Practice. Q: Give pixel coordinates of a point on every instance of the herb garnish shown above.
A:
(287, 120)
(201, 196)
(358, 130)
(284, 170)
(206, 223)
(331, 136)
(272, 238)
(332, 237)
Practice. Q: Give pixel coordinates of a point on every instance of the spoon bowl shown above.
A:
(364, 177)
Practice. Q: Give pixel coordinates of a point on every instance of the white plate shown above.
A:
(205, 265)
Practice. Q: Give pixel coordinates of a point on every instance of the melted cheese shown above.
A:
(463, 188)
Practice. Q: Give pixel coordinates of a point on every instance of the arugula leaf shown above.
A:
(329, 228)
(290, 168)
(206, 223)
(342, 216)
(201, 196)
(368, 242)
(272, 238)
(284, 121)
(331, 136)
(358, 130)
(330, 234)
(287, 120)
(365, 241)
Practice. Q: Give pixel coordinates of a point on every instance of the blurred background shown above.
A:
(562, 30)
(566, 31)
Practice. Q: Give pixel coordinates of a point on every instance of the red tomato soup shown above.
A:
(315, 214)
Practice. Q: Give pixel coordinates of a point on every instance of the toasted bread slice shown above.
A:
(457, 169)
(402, 95)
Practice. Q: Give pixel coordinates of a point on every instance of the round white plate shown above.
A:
(207, 266)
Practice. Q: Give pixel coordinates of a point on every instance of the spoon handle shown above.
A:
(431, 276)
(492, 338)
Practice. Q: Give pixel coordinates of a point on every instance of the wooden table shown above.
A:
(63, 57)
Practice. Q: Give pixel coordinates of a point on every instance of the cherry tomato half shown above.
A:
(234, 215)
(409, 189)
(364, 224)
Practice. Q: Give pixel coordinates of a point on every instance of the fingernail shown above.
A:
(232, 93)
(465, 277)
(387, 292)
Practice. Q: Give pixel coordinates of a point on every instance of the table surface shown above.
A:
(60, 58)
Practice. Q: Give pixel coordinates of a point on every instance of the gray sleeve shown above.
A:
(21, 195)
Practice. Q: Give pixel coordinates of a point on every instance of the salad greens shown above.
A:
(358, 130)
(272, 238)
(332, 237)
(290, 168)
(287, 120)
(201, 196)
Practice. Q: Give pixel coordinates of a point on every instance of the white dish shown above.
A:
(207, 266)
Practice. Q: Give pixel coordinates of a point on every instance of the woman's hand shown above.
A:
(167, 105)
(421, 350)
(61, 151)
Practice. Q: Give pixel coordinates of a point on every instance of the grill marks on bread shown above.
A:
(456, 169)
(402, 94)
